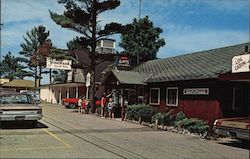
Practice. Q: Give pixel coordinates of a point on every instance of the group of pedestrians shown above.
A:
(107, 106)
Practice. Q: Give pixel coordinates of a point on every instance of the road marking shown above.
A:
(57, 138)
(40, 148)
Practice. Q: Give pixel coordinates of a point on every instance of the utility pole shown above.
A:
(138, 53)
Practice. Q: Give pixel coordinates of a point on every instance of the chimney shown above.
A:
(246, 49)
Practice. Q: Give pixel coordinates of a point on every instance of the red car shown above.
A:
(73, 103)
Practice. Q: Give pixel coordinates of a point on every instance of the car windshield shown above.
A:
(16, 99)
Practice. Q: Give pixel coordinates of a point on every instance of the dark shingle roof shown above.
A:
(199, 65)
(130, 77)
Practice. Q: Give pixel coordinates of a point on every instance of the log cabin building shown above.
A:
(200, 84)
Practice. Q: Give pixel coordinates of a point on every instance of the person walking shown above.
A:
(111, 106)
(103, 105)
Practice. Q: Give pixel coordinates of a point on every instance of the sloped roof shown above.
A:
(199, 65)
(20, 84)
(130, 77)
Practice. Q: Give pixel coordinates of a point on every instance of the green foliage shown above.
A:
(144, 111)
(193, 125)
(35, 49)
(142, 37)
(180, 116)
(12, 67)
(60, 76)
(163, 118)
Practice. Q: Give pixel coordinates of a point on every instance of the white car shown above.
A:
(19, 107)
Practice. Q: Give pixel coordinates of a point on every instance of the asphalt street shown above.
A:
(65, 133)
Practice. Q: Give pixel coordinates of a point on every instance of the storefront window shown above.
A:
(172, 96)
(155, 96)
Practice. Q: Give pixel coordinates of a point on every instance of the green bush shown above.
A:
(163, 118)
(193, 125)
(142, 110)
(180, 116)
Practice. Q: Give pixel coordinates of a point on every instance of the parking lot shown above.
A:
(64, 133)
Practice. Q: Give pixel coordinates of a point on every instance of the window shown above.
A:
(155, 96)
(172, 96)
(237, 98)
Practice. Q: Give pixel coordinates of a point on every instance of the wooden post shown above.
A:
(139, 120)
(156, 124)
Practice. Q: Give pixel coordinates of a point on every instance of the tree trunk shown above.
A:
(93, 58)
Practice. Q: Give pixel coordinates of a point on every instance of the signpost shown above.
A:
(87, 84)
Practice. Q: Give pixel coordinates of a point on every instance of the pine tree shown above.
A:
(35, 49)
(12, 67)
(82, 16)
(142, 39)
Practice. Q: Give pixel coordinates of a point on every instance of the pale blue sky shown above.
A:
(188, 25)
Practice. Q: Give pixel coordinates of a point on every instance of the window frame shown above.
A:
(234, 100)
(159, 96)
(177, 97)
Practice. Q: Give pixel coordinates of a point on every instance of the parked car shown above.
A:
(72, 103)
(238, 127)
(19, 107)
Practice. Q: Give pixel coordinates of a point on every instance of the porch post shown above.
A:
(60, 95)
(77, 95)
(67, 92)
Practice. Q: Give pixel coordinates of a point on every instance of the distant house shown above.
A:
(199, 84)
(17, 85)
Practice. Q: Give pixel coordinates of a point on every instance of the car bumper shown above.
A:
(228, 132)
(20, 117)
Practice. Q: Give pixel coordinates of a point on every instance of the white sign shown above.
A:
(58, 64)
(241, 63)
(88, 79)
(196, 91)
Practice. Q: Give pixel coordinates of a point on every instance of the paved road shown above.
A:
(64, 133)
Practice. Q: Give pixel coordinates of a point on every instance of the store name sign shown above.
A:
(196, 91)
(124, 61)
(58, 64)
(241, 63)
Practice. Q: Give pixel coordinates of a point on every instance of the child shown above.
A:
(111, 108)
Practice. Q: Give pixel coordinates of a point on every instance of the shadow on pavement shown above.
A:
(21, 125)
(244, 144)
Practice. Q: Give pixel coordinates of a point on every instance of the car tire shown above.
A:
(72, 106)
(34, 123)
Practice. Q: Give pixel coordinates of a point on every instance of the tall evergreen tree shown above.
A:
(12, 67)
(142, 39)
(35, 49)
(82, 16)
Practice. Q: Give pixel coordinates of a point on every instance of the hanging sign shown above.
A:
(196, 91)
(241, 63)
(124, 61)
(58, 64)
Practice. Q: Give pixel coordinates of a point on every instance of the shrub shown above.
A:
(193, 125)
(180, 116)
(142, 110)
(163, 118)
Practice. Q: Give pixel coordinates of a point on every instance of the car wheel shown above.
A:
(72, 106)
(34, 123)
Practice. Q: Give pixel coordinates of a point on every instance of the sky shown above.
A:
(188, 25)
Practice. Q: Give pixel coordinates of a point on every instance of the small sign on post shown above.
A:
(88, 79)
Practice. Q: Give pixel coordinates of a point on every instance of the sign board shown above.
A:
(88, 79)
(241, 63)
(124, 61)
(196, 91)
(58, 64)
